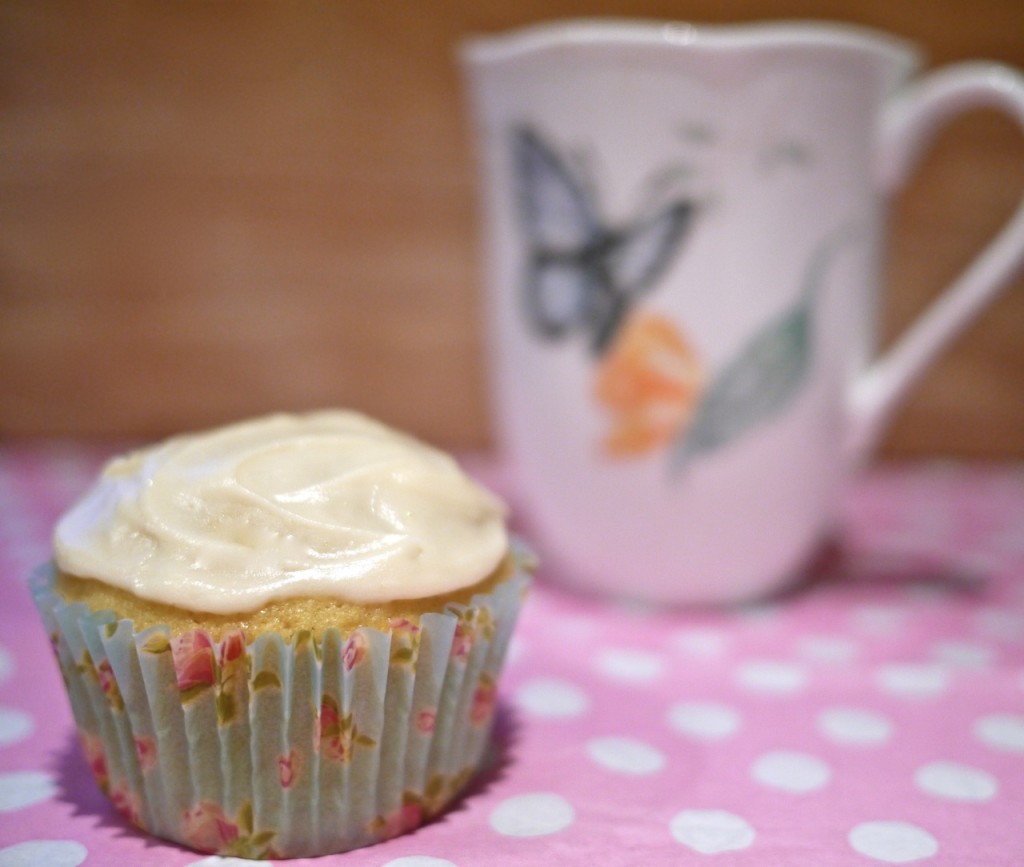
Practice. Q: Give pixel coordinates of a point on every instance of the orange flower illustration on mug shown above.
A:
(649, 382)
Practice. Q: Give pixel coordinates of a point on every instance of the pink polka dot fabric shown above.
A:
(873, 716)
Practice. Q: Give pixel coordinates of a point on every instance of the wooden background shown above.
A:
(212, 209)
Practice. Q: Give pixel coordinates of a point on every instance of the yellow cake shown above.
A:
(284, 617)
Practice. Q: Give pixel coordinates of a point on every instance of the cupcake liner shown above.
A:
(284, 749)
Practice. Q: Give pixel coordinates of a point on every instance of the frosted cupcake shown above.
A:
(282, 638)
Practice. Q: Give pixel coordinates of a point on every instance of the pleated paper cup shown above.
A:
(275, 749)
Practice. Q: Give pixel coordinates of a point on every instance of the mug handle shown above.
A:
(909, 121)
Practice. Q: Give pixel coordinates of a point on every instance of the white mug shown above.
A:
(682, 233)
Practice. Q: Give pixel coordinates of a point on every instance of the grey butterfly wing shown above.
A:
(629, 264)
(554, 208)
(562, 230)
(560, 294)
(639, 255)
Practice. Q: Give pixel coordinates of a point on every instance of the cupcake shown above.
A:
(282, 638)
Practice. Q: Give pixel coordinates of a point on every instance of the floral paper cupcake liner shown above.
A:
(273, 748)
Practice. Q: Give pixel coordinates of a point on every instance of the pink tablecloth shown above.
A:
(876, 716)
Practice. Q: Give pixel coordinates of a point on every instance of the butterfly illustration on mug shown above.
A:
(582, 274)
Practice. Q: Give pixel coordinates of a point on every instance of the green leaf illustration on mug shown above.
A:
(756, 385)
(766, 376)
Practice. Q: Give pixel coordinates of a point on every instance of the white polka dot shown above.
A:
(791, 771)
(15, 725)
(912, 680)
(6, 665)
(700, 642)
(704, 720)
(961, 654)
(1002, 731)
(227, 861)
(892, 842)
(635, 666)
(24, 788)
(956, 782)
(711, 831)
(532, 815)
(625, 755)
(783, 678)
(52, 853)
(550, 697)
(419, 861)
(828, 649)
(854, 726)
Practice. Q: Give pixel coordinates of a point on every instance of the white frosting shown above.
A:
(329, 504)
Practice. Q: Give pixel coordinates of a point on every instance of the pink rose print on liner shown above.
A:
(329, 723)
(95, 755)
(425, 721)
(193, 660)
(404, 819)
(232, 671)
(473, 624)
(128, 803)
(405, 641)
(232, 647)
(354, 651)
(484, 698)
(208, 829)
(145, 751)
(336, 735)
(462, 642)
(108, 683)
(288, 769)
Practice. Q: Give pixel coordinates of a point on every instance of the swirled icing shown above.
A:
(326, 504)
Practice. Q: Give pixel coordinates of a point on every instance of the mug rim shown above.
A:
(522, 41)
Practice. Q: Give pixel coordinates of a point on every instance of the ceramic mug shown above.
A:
(683, 227)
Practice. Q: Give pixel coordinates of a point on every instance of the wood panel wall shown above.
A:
(212, 209)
